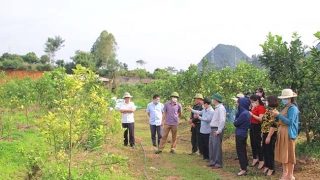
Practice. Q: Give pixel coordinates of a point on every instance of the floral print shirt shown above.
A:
(268, 121)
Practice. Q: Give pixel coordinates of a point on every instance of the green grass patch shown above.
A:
(13, 164)
(311, 149)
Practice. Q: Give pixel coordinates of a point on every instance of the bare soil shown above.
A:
(307, 168)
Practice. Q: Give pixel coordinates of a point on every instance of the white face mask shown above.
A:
(174, 99)
(267, 104)
(258, 94)
(254, 104)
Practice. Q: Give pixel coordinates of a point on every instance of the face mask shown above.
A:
(258, 94)
(156, 102)
(174, 99)
(254, 104)
(285, 101)
(267, 104)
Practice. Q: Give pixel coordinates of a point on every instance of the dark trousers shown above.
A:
(241, 146)
(155, 129)
(130, 127)
(195, 136)
(255, 140)
(204, 145)
(268, 150)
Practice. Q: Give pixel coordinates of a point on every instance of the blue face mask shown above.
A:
(156, 103)
(285, 101)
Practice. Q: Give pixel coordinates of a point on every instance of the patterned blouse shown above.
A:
(268, 121)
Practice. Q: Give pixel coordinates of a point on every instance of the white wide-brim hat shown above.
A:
(287, 93)
(127, 95)
(238, 96)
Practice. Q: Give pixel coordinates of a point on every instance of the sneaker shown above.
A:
(158, 152)
(133, 146)
(172, 152)
(193, 153)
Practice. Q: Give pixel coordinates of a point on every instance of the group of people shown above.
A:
(272, 133)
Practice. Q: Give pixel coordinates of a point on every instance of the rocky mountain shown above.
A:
(227, 55)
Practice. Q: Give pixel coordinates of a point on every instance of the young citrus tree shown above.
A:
(79, 115)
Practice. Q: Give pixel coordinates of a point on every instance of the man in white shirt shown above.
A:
(155, 110)
(127, 108)
(215, 139)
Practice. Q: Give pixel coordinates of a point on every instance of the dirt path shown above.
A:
(162, 166)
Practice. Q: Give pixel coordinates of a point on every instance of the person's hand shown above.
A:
(189, 108)
(216, 133)
(268, 140)
(250, 113)
(193, 125)
(196, 116)
(274, 113)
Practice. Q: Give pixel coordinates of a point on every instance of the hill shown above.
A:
(227, 55)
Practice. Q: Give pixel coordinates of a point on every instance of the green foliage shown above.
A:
(60, 63)
(44, 59)
(229, 129)
(208, 81)
(104, 50)
(310, 149)
(85, 59)
(78, 117)
(31, 58)
(289, 68)
(53, 45)
(45, 67)
(283, 60)
(11, 64)
(161, 73)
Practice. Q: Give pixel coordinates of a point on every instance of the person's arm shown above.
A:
(207, 117)
(222, 119)
(292, 114)
(261, 112)
(180, 111)
(271, 131)
(237, 122)
(148, 110)
(127, 111)
(163, 118)
(197, 112)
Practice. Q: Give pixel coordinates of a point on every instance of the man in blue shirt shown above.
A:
(205, 128)
(155, 110)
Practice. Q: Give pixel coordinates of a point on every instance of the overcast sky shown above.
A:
(163, 33)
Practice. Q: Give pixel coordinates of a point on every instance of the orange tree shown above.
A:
(78, 117)
(289, 66)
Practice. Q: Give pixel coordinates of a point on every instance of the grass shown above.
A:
(142, 162)
(12, 164)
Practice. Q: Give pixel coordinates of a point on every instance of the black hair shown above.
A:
(206, 101)
(261, 90)
(256, 97)
(156, 96)
(293, 101)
